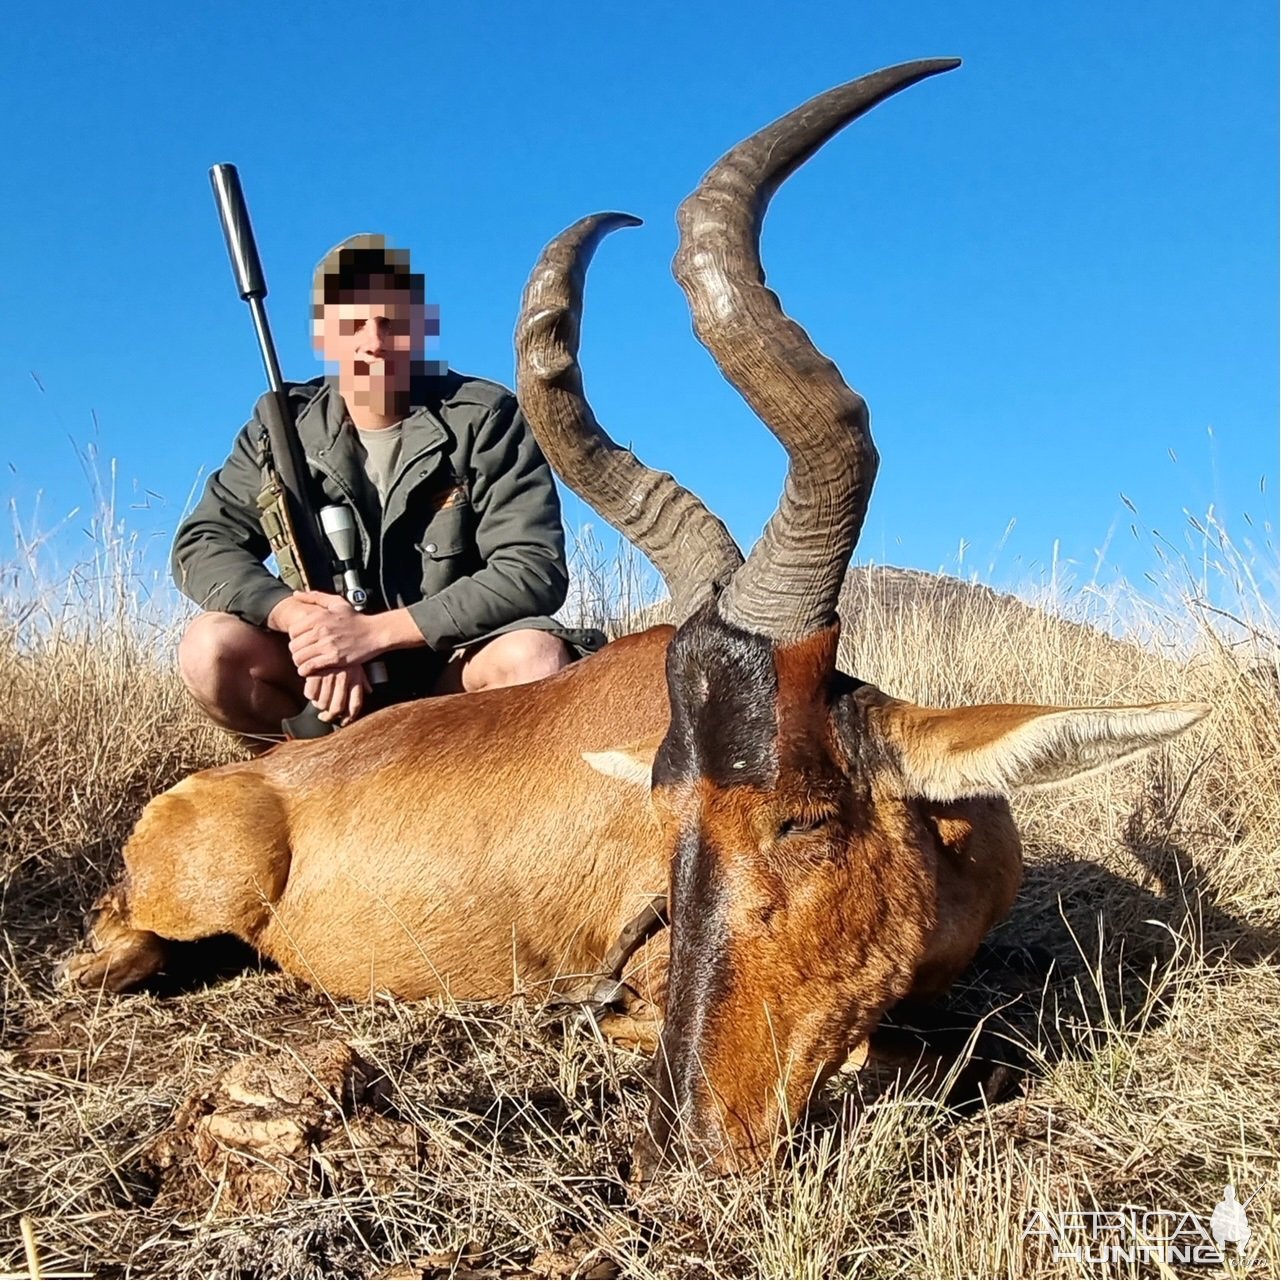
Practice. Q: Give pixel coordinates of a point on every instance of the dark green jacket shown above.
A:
(471, 538)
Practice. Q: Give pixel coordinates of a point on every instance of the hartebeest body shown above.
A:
(826, 850)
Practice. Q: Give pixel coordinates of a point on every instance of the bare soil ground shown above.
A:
(234, 1123)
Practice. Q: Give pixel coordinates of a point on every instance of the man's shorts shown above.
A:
(413, 673)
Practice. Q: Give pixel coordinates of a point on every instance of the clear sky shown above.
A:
(1052, 273)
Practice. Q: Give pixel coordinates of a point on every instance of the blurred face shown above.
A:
(375, 339)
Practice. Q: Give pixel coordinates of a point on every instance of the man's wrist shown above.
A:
(395, 629)
(278, 618)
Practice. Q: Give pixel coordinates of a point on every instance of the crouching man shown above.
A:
(461, 545)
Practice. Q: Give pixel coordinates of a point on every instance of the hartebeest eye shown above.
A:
(802, 824)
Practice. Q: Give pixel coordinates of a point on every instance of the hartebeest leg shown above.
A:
(118, 957)
(628, 1020)
(631, 938)
(208, 857)
(614, 1008)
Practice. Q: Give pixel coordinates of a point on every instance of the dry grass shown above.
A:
(1153, 1043)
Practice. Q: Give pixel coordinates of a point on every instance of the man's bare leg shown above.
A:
(241, 675)
(515, 658)
(244, 680)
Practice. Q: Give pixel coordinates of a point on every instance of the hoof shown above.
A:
(615, 1011)
(118, 968)
(584, 1014)
(609, 996)
(83, 970)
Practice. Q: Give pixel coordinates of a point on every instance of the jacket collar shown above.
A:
(323, 430)
(331, 442)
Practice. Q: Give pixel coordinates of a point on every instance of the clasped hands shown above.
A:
(329, 643)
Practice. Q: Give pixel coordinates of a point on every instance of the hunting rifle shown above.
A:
(312, 547)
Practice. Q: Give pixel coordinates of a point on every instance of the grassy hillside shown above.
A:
(483, 1141)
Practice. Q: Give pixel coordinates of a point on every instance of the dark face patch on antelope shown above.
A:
(722, 687)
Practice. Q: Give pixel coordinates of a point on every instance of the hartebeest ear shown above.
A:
(977, 751)
(633, 763)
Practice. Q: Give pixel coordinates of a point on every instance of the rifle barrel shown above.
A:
(238, 232)
(266, 346)
(287, 454)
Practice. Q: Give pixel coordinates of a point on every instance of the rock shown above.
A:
(285, 1122)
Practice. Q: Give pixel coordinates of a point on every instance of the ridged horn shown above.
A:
(789, 586)
(689, 546)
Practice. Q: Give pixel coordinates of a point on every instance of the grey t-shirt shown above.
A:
(382, 455)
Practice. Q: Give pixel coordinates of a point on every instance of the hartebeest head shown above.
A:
(789, 795)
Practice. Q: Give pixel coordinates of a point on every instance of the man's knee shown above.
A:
(517, 658)
(202, 650)
(218, 647)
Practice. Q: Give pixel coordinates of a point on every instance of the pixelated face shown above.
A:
(375, 338)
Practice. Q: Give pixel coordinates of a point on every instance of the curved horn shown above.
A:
(690, 548)
(789, 586)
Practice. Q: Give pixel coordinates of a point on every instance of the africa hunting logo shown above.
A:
(1145, 1236)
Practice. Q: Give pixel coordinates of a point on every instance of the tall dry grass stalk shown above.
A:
(610, 585)
(1153, 1043)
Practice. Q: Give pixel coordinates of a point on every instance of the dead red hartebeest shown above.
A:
(827, 850)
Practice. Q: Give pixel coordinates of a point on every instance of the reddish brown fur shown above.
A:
(829, 859)
(804, 672)
(817, 931)
(979, 868)
(463, 847)
(455, 845)
(816, 956)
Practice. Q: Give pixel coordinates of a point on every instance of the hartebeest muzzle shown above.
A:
(770, 814)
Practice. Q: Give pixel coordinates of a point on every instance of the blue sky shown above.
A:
(1052, 273)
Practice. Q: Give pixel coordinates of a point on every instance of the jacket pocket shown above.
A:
(448, 534)
(446, 550)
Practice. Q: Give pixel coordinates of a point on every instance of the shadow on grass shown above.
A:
(1084, 948)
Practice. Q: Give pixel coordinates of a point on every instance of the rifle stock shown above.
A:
(290, 521)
